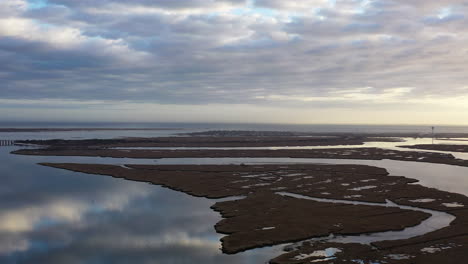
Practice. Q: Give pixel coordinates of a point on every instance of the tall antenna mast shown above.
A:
(433, 135)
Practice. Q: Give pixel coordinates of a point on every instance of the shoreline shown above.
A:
(23, 130)
(264, 217)
(246, 221)
(335, 153)
(439, 147)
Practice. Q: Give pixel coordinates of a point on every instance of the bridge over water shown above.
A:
(7, 142)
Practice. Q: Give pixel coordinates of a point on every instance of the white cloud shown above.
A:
(365, 94)
(234, 52)
(302, 5)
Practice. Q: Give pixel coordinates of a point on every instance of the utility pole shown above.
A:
(433, 135)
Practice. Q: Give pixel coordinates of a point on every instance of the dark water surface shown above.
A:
(188, 127)
(56, 216)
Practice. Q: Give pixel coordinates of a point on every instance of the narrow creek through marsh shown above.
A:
(67, 200)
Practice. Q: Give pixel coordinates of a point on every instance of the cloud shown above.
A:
(223, 52)
(360, 95)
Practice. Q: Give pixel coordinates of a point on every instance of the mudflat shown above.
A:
(336, 153)
(206, 141)
(439, 147)
(384, 218)
(261, 215)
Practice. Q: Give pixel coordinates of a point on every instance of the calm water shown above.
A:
(56, 216)
(264, 127)
(383, 145)
(92, 134)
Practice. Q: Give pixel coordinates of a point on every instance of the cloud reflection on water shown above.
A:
(56, 216)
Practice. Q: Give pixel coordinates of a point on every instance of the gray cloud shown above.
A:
(231, 52)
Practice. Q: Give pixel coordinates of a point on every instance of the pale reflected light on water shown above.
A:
(384, 145)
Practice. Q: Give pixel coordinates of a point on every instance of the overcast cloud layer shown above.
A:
(308, 55)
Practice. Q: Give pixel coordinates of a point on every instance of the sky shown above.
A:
(248, 61)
